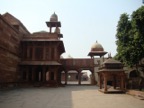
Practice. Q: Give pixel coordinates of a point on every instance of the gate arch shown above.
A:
(78, 65)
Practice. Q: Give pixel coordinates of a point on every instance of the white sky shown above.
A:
(83, 21)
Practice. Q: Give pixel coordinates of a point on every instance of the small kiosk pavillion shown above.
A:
(111, 72)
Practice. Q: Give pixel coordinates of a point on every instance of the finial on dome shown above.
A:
(96, 41)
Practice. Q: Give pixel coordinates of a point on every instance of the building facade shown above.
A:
(40, 54)
(35, 58)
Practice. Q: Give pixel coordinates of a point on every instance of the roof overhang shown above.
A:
(53, 24)
(97, 53)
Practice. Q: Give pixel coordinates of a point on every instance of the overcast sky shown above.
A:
(83, 21)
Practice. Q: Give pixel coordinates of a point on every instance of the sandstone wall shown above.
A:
(9, 51)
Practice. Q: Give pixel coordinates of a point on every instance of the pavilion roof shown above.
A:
(111, 61)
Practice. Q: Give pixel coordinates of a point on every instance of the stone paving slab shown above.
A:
(66, 97)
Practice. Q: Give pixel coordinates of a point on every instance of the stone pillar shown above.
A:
(66, 74)
(100, 81)
(105, 83)
(79, 77)
(49, 76)
(114, 82)
(27, 73)
(33, 74)
(44, 74)
(44, 52)
(59, 76)
(96, 70)
(50, 29)
(55, 74)
(93, 82)
(122, 82)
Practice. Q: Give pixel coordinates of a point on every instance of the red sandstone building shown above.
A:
(35, 59)
(27, 58)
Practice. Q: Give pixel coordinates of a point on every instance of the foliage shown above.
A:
(130, 38)
(123, 38)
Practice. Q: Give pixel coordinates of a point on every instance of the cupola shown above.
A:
(54, 18)
(97, 50)
(97, 47)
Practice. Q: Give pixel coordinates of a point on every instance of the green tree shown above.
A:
(137, 23)
(123, 38)
(130, 38)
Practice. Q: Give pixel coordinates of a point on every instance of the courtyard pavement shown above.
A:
(66, 97)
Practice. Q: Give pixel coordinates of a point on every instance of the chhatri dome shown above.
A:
(54, 18)
(97, 50)
(97, 47)
(53, 22)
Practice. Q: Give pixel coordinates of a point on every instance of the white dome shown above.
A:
(54, 18)
(97, 47)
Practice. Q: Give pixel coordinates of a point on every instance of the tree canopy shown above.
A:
(130, 38)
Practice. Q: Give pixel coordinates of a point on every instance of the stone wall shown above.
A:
(9, 51)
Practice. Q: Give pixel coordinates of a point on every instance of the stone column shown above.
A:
(93, 82)
(49, 76)
(122, 82)
(44, 74)
(59, 76)
(105, 83)
(79, 77)
(27, 74)
(50, 29)
(44, 52)
(66, 74)
(33, 74)
(100, 81)
(114, 82)
(55, 74)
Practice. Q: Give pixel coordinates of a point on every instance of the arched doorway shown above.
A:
(69, 77)
(38, 74)
(74, 77)
(86, 77)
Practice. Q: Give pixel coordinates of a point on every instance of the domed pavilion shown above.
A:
(97, 50)
(54, 18)
(111, 73)
(54, 23)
